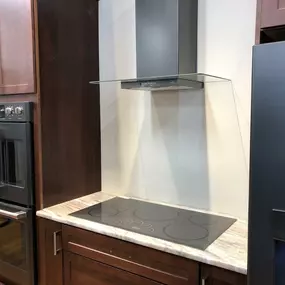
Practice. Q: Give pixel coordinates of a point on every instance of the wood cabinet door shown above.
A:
(213, 281)
(211, 275)
(272, 13)
(139, 260)
(16, 47)
(81, 270)
(49, 253)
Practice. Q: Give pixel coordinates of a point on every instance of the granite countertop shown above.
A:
(229, 251)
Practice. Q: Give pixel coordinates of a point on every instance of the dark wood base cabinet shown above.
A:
(78, 256)
(50, 271)
(211, 275)
(81, 270)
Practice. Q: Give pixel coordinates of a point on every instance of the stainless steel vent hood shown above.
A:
(166, 47)
(166, 44)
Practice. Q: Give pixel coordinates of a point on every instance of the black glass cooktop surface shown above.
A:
(184, 227)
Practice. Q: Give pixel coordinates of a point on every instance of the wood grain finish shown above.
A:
(218, 276)
(258, 21)
(66, 108)
(273, 13)
(70, 108)
(161, 267)
(50, 267)
(16, 47)
(80, 270)
(281, 4)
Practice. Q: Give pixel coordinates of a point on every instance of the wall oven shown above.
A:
(16, 244)
(17, 211)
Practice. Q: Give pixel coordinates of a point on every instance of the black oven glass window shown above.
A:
(12, 163)
(279, 262)
(12, 243)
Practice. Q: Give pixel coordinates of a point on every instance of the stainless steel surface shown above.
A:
(13, 215)
(166, 39)
(55, 249)
(8, 110)
(19, 110)
(157, 37)
(162, 85)
(16, 112)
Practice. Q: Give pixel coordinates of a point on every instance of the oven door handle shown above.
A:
(13, 215)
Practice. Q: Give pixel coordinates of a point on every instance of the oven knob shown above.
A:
(19, 110)
(8, 111)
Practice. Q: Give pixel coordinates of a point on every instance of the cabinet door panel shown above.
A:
(273, 13)
(153, 264)
(49, 253)
(16, 47)
(217, 276)
(81, 270)
(211, 281)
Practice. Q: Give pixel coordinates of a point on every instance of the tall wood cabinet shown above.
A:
(69, 105)
(272, 13)
(270, 21)
(49, 52)
(16, 47)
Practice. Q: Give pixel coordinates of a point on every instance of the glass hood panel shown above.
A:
(171, 82)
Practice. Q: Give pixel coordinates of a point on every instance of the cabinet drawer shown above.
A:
(156, 265)
(81, 270)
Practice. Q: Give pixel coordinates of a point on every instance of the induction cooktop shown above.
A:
(181, 226)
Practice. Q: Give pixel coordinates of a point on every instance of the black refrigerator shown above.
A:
(266, 254)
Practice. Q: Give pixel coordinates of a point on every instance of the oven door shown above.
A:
(16, 245)
(16, 163)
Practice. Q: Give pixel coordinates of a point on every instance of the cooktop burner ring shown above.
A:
(109, 214)
(206, 234)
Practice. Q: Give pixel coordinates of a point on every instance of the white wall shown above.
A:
(184, 147)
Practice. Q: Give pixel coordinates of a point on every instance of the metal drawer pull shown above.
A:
(204, 280)
(16, 215)
(55, 249)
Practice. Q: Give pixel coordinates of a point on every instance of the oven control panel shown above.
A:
(16, 112)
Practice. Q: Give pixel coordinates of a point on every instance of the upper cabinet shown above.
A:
(16, 47)
(272, 13)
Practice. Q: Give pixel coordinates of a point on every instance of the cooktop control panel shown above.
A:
(16, 111)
